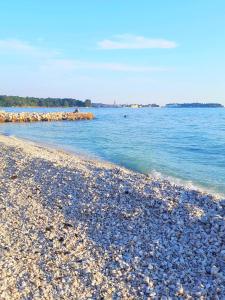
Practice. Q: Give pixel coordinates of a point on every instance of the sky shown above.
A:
(126, 51)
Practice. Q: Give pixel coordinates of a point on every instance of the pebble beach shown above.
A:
(76, 228)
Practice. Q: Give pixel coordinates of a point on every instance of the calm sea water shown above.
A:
(185, 144)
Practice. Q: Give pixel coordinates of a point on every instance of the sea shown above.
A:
(185, 145)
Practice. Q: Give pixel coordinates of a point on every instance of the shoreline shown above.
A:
(154, 175)
(78, 228)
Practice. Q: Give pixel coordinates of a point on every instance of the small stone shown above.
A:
(222, 253)
(214, 270)
(180, 291)
(150, 267)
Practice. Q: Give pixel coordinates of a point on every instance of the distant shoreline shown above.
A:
(17, 101)
(96, 107)
(72, 107)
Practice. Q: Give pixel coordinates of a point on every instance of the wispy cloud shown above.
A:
(128, 41)
(51, 60)
(69, 65)
(23, 47)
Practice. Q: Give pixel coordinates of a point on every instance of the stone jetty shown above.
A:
(53, 116)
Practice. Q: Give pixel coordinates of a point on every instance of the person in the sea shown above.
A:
(76, 110)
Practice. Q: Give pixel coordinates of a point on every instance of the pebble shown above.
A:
(75, 228)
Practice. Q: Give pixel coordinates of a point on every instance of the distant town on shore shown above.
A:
(17, 101)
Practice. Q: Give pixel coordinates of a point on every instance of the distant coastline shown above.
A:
(34, 102)
(16, 101)
(194, 105)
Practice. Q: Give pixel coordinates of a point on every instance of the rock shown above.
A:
(214, 270)
(157, 241)
(34, 117)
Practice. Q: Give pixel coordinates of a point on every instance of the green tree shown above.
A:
(87, 103)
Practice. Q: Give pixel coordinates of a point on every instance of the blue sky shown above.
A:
(124, 50)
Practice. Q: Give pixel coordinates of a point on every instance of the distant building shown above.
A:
(135, 105)
(102, 105)
(150, 105)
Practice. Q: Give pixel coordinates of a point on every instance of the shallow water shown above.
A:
(186, 144)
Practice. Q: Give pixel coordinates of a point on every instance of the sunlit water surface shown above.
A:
(185, 144)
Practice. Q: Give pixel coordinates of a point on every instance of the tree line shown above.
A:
(8, 101)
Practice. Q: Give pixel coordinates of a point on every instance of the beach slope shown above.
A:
(75, 228)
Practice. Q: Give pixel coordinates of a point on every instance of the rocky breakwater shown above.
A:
(53, 116)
